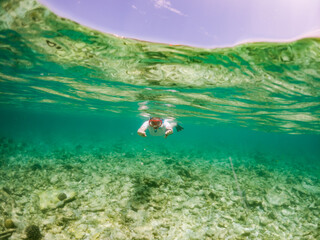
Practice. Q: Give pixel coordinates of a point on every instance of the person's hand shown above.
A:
(142, 134)
(168, 132)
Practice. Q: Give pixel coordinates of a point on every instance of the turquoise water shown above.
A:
(72, 99)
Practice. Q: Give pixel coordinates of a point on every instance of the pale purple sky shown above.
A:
(201, 23)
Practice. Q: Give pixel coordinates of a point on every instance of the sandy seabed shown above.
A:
(112, 193)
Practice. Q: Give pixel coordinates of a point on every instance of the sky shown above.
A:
(199, 23)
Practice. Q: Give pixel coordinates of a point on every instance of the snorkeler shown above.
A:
(158, 127)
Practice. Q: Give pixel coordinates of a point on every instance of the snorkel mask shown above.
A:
(155, 122)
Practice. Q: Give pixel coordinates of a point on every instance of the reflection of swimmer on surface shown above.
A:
(158, 127)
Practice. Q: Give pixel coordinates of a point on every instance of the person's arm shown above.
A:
(169, 129)
(143, 128)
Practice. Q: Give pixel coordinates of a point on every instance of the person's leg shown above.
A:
(174, 124)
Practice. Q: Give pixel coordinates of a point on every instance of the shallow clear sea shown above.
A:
(245, 166)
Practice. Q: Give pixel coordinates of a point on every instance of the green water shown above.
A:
(72, 99)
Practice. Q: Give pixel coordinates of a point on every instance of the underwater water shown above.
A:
(246, 165)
